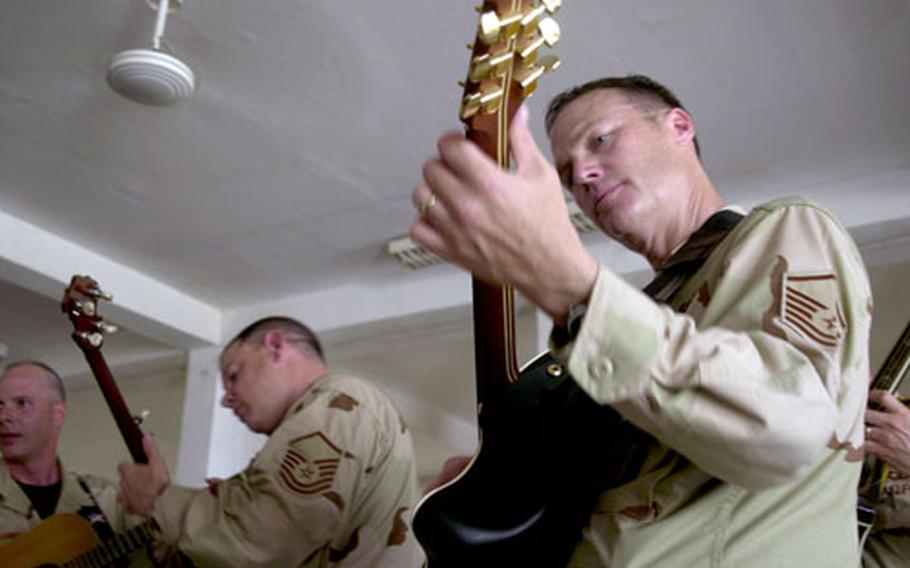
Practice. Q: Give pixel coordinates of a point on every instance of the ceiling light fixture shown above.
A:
(150, 76)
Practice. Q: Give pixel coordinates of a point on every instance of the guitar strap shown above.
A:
(692, 255)
(93, 513)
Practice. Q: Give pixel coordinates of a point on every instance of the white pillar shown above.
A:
(199, 404)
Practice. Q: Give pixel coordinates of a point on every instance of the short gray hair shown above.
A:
(51, 377)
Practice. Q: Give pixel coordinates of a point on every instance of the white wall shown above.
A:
(91, 443)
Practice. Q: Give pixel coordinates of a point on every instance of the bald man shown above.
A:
(33, 482)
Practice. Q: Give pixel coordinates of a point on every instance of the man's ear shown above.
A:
(682, 124)
(275, 344)
(58, 413)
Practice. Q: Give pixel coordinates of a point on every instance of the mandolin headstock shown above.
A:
(80, 303)
(505, 66)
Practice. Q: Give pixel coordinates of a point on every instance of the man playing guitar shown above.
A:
(33, 482)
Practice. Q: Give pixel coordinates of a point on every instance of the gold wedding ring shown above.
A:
(428, 202)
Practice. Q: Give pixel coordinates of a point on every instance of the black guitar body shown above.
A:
(547, 451)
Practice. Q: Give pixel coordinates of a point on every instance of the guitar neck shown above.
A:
(131, 433)
(115, 548)
(494, 339)
(895, 367)
(504, 71)
(494, 306)
(80, 304)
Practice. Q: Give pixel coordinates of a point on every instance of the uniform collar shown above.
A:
(11, 495)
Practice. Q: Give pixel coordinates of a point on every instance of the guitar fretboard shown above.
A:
(114, 549)
(894, 369)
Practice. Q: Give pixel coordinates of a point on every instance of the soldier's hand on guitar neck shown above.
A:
(141, 484)
(888, 430)
(509, 228)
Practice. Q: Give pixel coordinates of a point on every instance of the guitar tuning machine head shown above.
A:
(140, 418)
(552, 6)
(549, 31)
(100, 294)
(86, 307)
(106, 328)
(94, 339)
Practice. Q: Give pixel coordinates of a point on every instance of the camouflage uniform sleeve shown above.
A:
(894, 511)
(749, 391)
(287, 506)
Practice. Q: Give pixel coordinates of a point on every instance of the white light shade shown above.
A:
(150, 77)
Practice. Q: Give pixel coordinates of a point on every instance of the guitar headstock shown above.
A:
(506, 63)
(80, 303)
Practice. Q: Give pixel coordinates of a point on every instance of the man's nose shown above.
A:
(585, 171)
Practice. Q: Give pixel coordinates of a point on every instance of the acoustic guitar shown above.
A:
(529, 490)
(68, 539)
(871, 484)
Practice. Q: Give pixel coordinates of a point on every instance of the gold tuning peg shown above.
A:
(551, 5)
(549, 63)
(470, 105)
(479, 68)
(530, 20)
(527, 49)
(461, 83)
(493, 28)
(106, 328)
(491, 101)
(100, 294)
(488, 103)
(490, 65)
(527, 80)
(527, 77)
(549, 31)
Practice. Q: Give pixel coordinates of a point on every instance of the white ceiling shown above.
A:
(290, 168)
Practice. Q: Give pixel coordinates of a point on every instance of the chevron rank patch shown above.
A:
(309, 464)
(810, 305)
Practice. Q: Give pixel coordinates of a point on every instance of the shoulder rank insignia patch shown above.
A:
(810, 306)
(309, 464)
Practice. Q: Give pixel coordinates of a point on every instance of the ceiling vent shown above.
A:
(413, 256)
(150, 76)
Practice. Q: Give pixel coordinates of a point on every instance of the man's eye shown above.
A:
(601, 140)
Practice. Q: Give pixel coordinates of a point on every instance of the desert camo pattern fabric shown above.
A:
(754, 378)
(888, 546)
(17, 515)
(334, 486)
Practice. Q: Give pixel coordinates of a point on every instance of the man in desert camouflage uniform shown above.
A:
(750, 374)
(333, 486)
(34, 484)
(888, 438)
